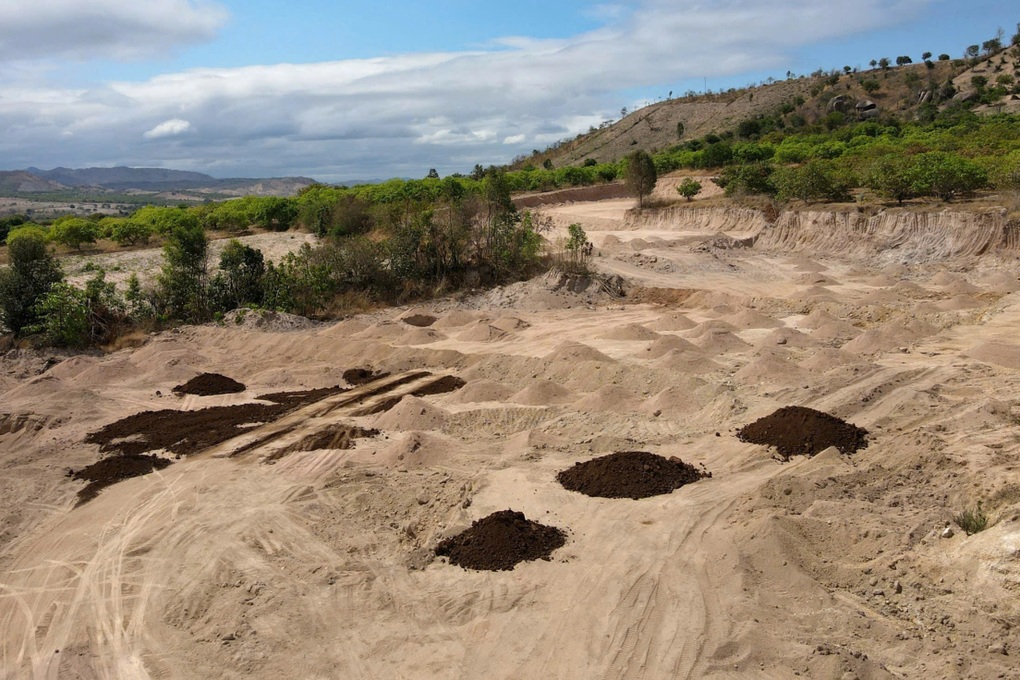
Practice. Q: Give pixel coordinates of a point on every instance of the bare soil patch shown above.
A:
(361, 376)
(630, 474)
(115, 469)
(796, 430)
(208, 384)
(501, 541)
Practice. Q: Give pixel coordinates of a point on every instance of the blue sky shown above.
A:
(348, 90)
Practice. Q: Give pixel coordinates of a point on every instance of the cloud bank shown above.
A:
(399, 115)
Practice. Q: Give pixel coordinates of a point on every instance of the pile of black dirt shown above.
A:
(500, 542)
(446, 384)
(302, 397)
(419, 320)
(109, 471)
(208, 384)
(797, 430)
(336, 436)
(362, 376)
(630, 474)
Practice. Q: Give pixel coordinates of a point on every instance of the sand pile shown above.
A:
(664, 345)
(483, 390)
(750, 318)
(629, 474)
(720, 342)
(571, 352)
(672, 322)
(1002, 354)
(456, 319)
(794, 430)
(208, 384)
(335, 436)
(500, 542)
(510, 324)
(115, 469)
(789, 337)
(482, 332)
(630, 332)
(542, 393)
(693, 362)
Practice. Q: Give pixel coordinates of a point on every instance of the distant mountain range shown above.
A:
(144, 180)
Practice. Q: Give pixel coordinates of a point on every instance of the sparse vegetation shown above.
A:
(972, 520)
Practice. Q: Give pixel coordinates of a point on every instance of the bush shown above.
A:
(129, 232)
(972, 520)
(73, 232)
(945, 175)
(180, 286)
(73, 317)
(31, 274)
(241, 278)
(814, 181)
(750, 178)
(689, 188)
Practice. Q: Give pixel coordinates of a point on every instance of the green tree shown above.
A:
(275, 213)
(73, 232)
(680, 130)
(883, 63)
(75, 317)
(889, 176)
(30, 275)
(640, 175)
(926, 56)
(128, 232)
(972, 51)
(903, 60)
(577, 249)
(816, 180)
(181, 284)
(240, 280)
(871, 86)
(689, 188)
(945, 175)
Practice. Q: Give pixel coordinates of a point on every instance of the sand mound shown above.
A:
(960, 287)
(500, 542)
(879, 281)
(630, 332)
(1000, 282)
(712, 326)
(816, 294)
(750, 318)
(827, 359)
(835, 331)
(384, 330)
(416, 449)
(510, 324)
(208, 384)
(483, 390)
(419, 336)
(721, 342)
(815, 279)
(676, 400)
(664, 345)
(769, 369)
(412, 413)
(672, 322)
(419, 320)
(542, 393)
(958, 303)
(629, 474)
(268, 321)
(1002, 354)
(693, 362)
(482, 332)
(807, 265)
(796, 430)
(788, 337)
(576, 351)
(609, 398)
(815, 319)
(455, 319)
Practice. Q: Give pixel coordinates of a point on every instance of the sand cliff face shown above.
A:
(891, 235)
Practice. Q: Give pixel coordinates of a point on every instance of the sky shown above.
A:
(342, 90)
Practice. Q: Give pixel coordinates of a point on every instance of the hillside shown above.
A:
(20, 181)
(900, 91)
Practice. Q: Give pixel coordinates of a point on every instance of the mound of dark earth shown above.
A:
(208, 384)
(361, 376)
(109, 471)
(629, 474)
(501, 541)
(797, 430)
(419, 320)
(336, 436)
(444, 385)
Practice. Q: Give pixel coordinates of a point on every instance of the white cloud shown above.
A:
(399, 115)
(73, 29)
(168, 128)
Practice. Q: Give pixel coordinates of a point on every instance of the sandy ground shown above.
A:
(244, 563)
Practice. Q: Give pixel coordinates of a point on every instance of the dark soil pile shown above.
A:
(629, 474)
(361, 376)
(109, 471)
(500, 541)
(419, 320)
(208, 384)
(794, 430)
(188, 432)
(444, 385)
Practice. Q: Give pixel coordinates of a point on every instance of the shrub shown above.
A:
(972, 520)
(130, 232)
(73, 232)
(689, 188)
(815, 180)
(945, 175)
(31, 274)
(75, 317)
(180, 286)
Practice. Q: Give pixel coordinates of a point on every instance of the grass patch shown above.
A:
(972, 520)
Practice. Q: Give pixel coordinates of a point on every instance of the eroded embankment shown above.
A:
(891, 235)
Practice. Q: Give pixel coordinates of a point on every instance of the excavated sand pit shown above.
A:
(500, 542)
(115, 469)
(630, 474)
(796, 430)
(209, 384)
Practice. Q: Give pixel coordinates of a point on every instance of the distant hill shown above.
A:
(145, 180)
(898, 91)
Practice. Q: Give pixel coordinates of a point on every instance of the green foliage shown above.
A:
(871, 86)
(240, 280)
(577, 251)
(749, 178)
(815, 180)
(164, 220)
(10, 222)
(73, 232)
(689, 188)
(129, 232)
(972, 520)
(75, 317)
(945, 175)
(640, 175)
(29, 277)
(889, 176)
(181, 293)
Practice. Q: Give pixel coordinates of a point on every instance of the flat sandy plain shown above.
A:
(251, 561)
